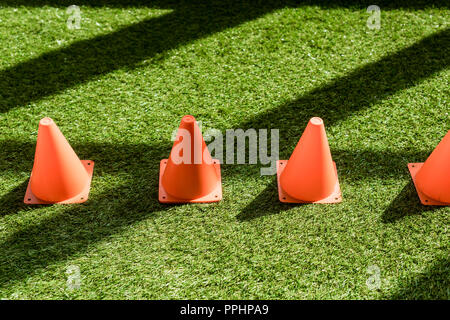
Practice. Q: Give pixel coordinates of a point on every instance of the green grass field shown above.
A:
(119, 86)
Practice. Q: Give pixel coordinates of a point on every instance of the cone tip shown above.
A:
(316, 121)
(188, 118)
(46, 121)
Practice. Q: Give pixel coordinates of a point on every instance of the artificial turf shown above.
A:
(118, 87)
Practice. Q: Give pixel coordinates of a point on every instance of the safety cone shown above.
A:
(190, 174)
(310, 175)
(432, 178)
(58, 176)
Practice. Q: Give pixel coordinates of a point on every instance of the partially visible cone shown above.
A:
(310, 175)
(432, 178)
(189, 174)
(58, 175)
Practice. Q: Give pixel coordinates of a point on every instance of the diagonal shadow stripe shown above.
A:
(405, 204)
(81, 61)
(431, 284)
(360, 89)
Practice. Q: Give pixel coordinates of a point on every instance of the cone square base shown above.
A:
(214, 196)
(30, 198)
(425, 200)
(335, 197)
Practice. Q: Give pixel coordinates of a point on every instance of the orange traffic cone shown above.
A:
(58, 176)
(189, 175)
(310, 175)
(432, 178)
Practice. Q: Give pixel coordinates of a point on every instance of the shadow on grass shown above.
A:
(353, 166)
(433, 284)
(57, 70)
(15, 157)
(359, 89)
(70, 229)
(265, 204)
(406, 203)
(12, 202)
